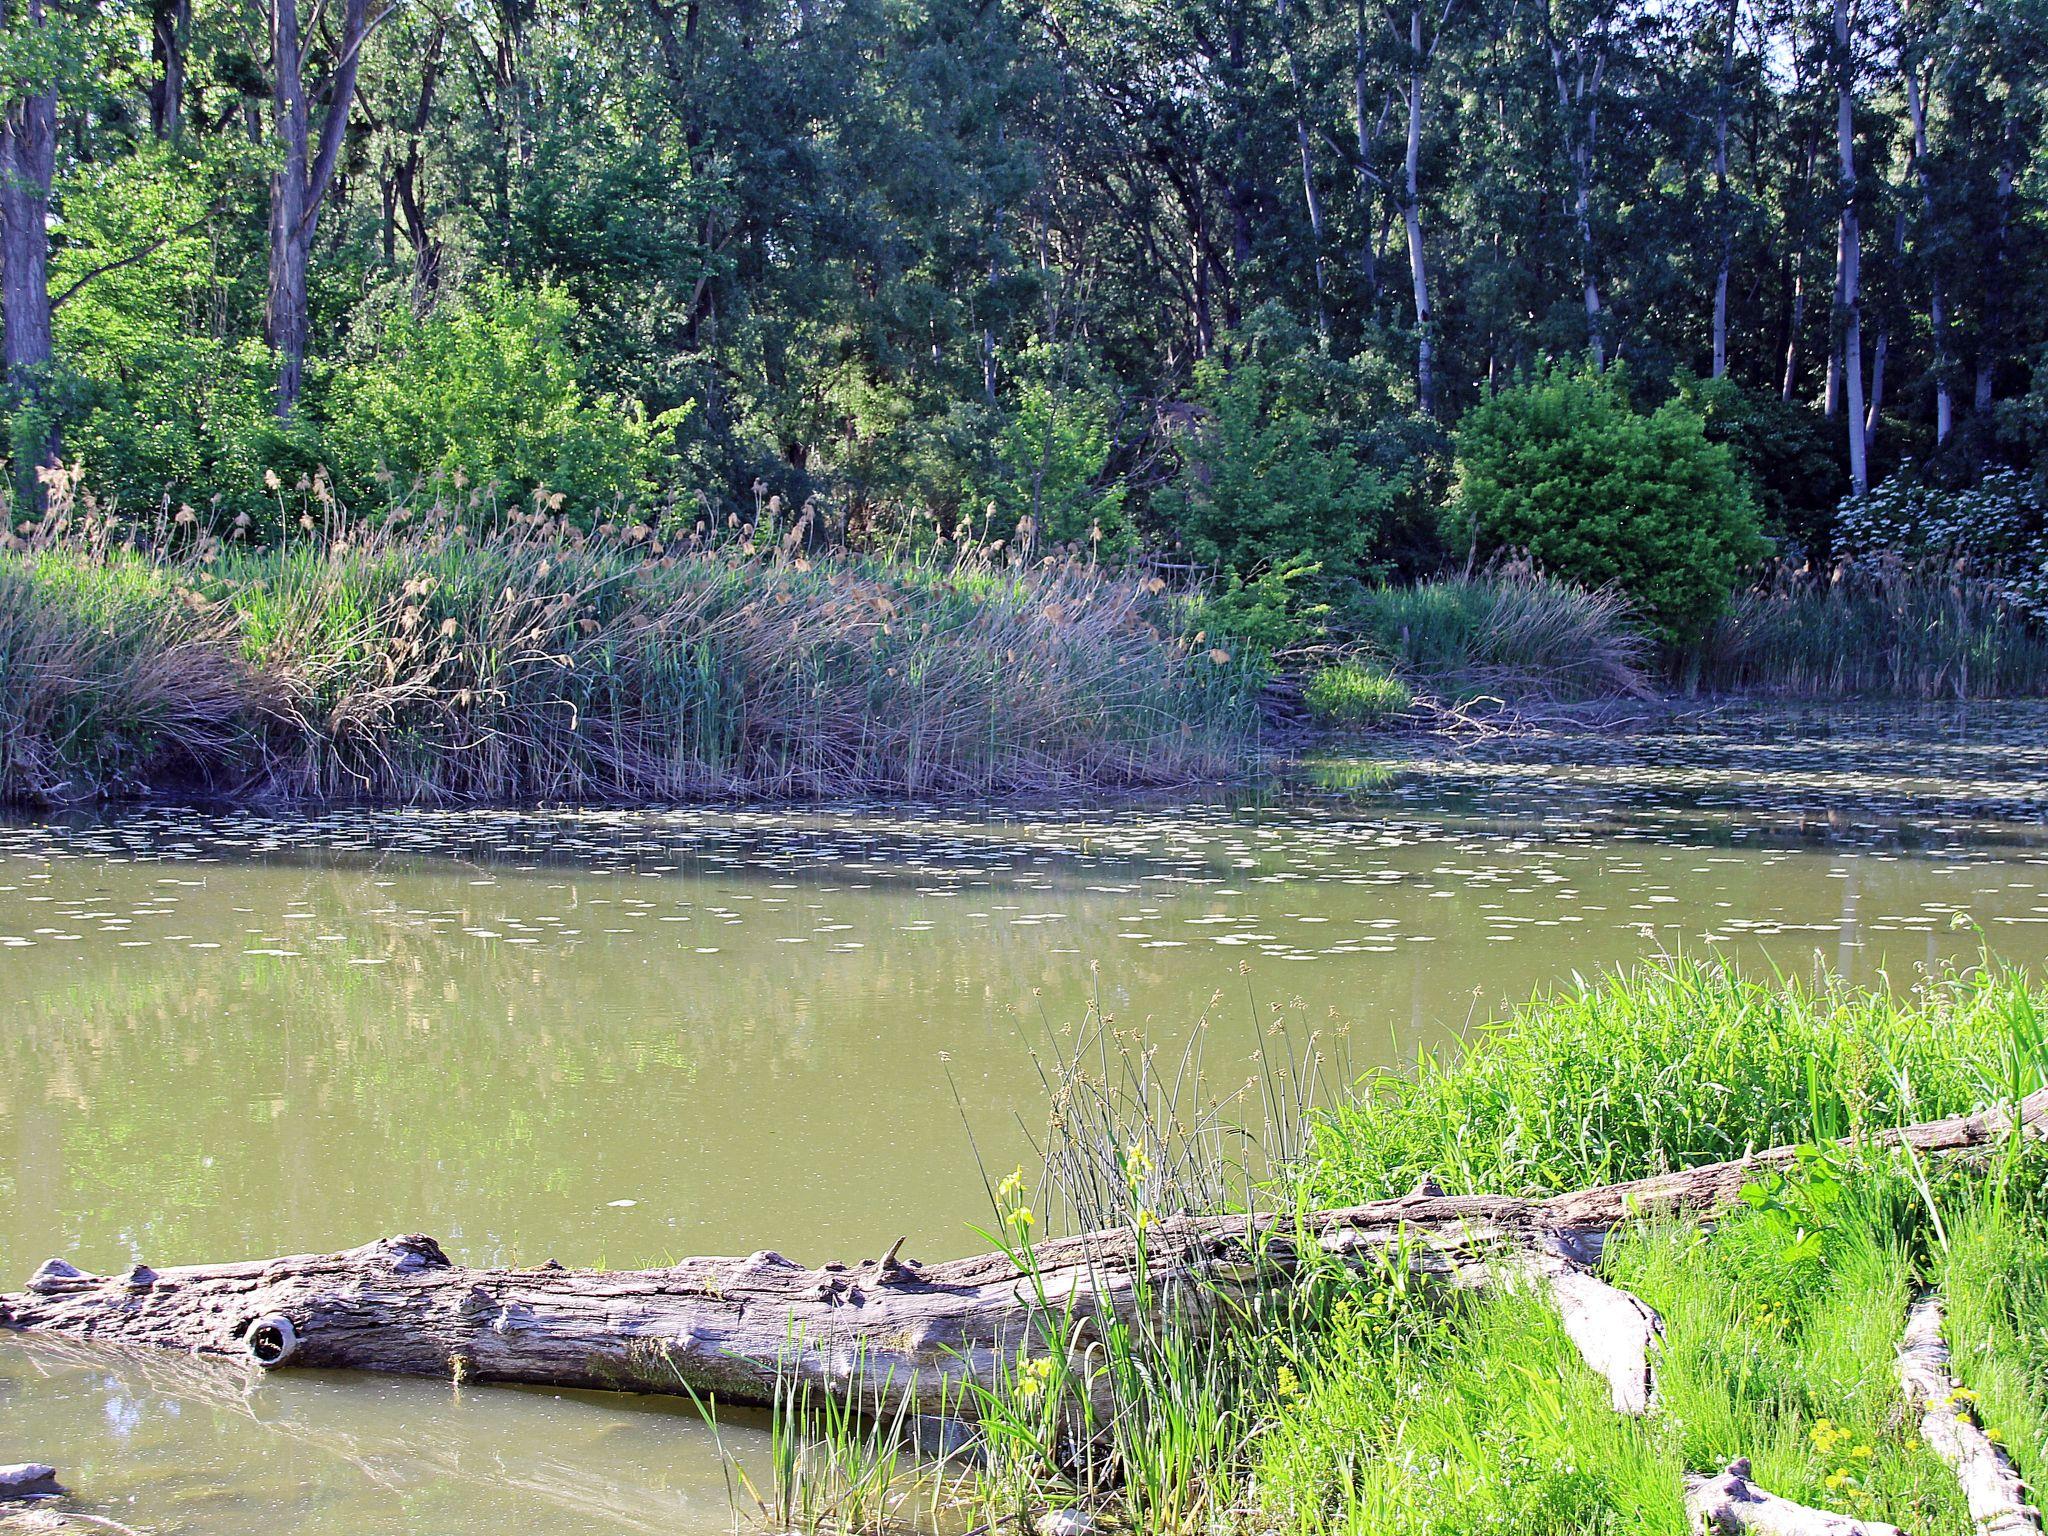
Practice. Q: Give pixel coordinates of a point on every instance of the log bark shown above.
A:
(1730, 1503)
(1991, 1485)
(884, 1333)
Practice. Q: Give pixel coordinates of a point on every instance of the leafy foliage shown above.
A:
(1562, 467)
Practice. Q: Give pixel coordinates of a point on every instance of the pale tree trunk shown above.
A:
(300, 184)
(1721, 198)
(1849, 256)
(28, 162)
(1411, 217)
(888, 1332)
(1937, 290)
(1874, 412)
(1582, 95)
(1796, 232)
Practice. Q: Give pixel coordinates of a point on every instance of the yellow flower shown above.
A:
(1863, 1453)
(1011, 1187)
(1287, 1384)
(1145, 1219)
(1021, 1218)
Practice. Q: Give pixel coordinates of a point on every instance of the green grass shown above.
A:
(540, 663)
(1674, 1063)
(1356, 693)
(1482, 1419)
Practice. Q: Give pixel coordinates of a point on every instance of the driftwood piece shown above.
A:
(884, 1333)
(1991, 1485)
(1729, 1504)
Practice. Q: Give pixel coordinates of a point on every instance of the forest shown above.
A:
(1212, 280)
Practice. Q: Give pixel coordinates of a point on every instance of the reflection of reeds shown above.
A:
(540, 662)
(1902, 632)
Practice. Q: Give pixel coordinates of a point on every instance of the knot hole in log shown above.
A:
(272, 1340)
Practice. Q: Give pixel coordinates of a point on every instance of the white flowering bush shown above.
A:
(1997, 527)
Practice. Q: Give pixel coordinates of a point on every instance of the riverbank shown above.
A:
(435, 664)
(542, 664)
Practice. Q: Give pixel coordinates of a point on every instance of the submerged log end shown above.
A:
(1730, 1504)
(29, 1480)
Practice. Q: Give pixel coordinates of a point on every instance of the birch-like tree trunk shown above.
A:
(1993, 341)
(1849, 254)
(300, 184)
(1411, 218)
(1576, 98)
(1308, 166)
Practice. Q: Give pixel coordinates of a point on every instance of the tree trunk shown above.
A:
(170, 24)
(884, 1333)
(1583, 95)
(1308, 168)
(1937, 289)
(1992, 1487)
(28, 163)
(1721, 199)
(1411, 218)
(1849, 255)
(1994, 340)
(300, 184)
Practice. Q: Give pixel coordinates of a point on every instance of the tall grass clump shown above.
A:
(1913, 632)
(1509, 633)
(422, 659)
(1674, 1063)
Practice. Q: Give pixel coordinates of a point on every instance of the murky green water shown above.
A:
(618, 1038)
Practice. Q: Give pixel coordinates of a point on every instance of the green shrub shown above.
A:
(485, 388)
(1267, 613)
(1356, 693)
(1792, 458)
(1049, 458)
(1264, 479)
(1561, 466)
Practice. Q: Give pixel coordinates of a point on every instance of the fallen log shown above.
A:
(1729, 1504)
(886, 1333)
(1992, 1486)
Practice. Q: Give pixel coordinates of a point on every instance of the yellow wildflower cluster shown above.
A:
(1833, 1442)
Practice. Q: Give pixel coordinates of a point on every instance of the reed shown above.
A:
(1508, 633)
(1905, 632)
(419, 659)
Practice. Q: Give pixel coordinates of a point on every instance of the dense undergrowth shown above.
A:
(540, 663)
(1364, 1401)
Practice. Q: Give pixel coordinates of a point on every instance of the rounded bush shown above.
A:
(1561, 466)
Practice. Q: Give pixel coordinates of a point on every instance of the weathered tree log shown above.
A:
(883, 1333)
(1992, 1486)
(1730, 1504)
(1615, 1332)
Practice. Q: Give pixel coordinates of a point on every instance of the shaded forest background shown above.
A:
(1210, 278)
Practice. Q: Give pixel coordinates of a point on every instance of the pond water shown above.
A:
(618, 1038)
